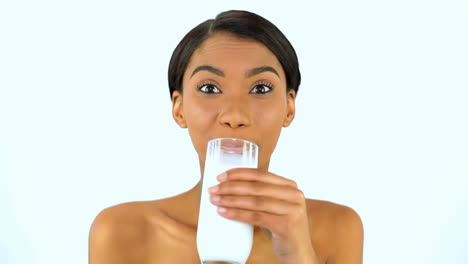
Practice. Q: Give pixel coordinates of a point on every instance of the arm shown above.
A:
(112, 240)
(101, 237)
(349, 238)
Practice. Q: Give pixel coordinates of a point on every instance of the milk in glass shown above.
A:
(219, 238)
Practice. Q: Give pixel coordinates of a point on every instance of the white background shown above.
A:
(381, 124)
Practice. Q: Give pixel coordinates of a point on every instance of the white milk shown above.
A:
(219, 238)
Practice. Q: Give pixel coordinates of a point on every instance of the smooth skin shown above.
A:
(232, 87)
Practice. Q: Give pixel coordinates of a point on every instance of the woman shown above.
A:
(234, 76)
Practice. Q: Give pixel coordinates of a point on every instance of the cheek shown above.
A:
(270, 117)
(199, 115)
(269, 122)
(200, 118)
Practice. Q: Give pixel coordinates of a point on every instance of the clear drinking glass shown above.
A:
(220, 239)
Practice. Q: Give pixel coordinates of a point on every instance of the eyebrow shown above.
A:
(249, 73)
(208, 68)
(261, 69)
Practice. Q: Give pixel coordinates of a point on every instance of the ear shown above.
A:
(291, 108)
(177, 109)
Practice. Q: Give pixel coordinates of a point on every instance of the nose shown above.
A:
(235, 114)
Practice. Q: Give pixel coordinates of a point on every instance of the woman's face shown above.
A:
(234, 87)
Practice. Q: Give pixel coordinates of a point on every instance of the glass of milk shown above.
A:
(221, 240)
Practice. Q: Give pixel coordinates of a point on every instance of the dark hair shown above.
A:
(242, 24)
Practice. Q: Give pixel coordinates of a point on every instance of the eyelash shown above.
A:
(264, 84)
(261, 83)
(203, 84)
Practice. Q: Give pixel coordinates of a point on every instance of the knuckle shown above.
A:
(255, 217)
(226, 200)
(258, 202)
(259, 174)
(230, 186)
(299, 196)
(293, 183)
(296, 211)
(255, 187)
(232, 213)
(223, 186)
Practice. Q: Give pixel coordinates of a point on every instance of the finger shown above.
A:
(279, 224)
(257, 218)
(254, 203)
(254, 188)
(249, 174)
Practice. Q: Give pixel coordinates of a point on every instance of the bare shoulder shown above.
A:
(340, 230)
(119, 234)
(339, 214)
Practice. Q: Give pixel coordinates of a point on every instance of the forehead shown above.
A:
(231, 53)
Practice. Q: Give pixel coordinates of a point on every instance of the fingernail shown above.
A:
(222, 209)
(222, 177)
(215, 198)
(213, 189)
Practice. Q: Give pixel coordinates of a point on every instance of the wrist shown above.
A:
(308, 257)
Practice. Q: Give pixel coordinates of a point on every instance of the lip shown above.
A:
(232, 149)
(233, 144)
(235, 141)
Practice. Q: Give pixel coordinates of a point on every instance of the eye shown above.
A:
(262, 88)
(208, 88)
